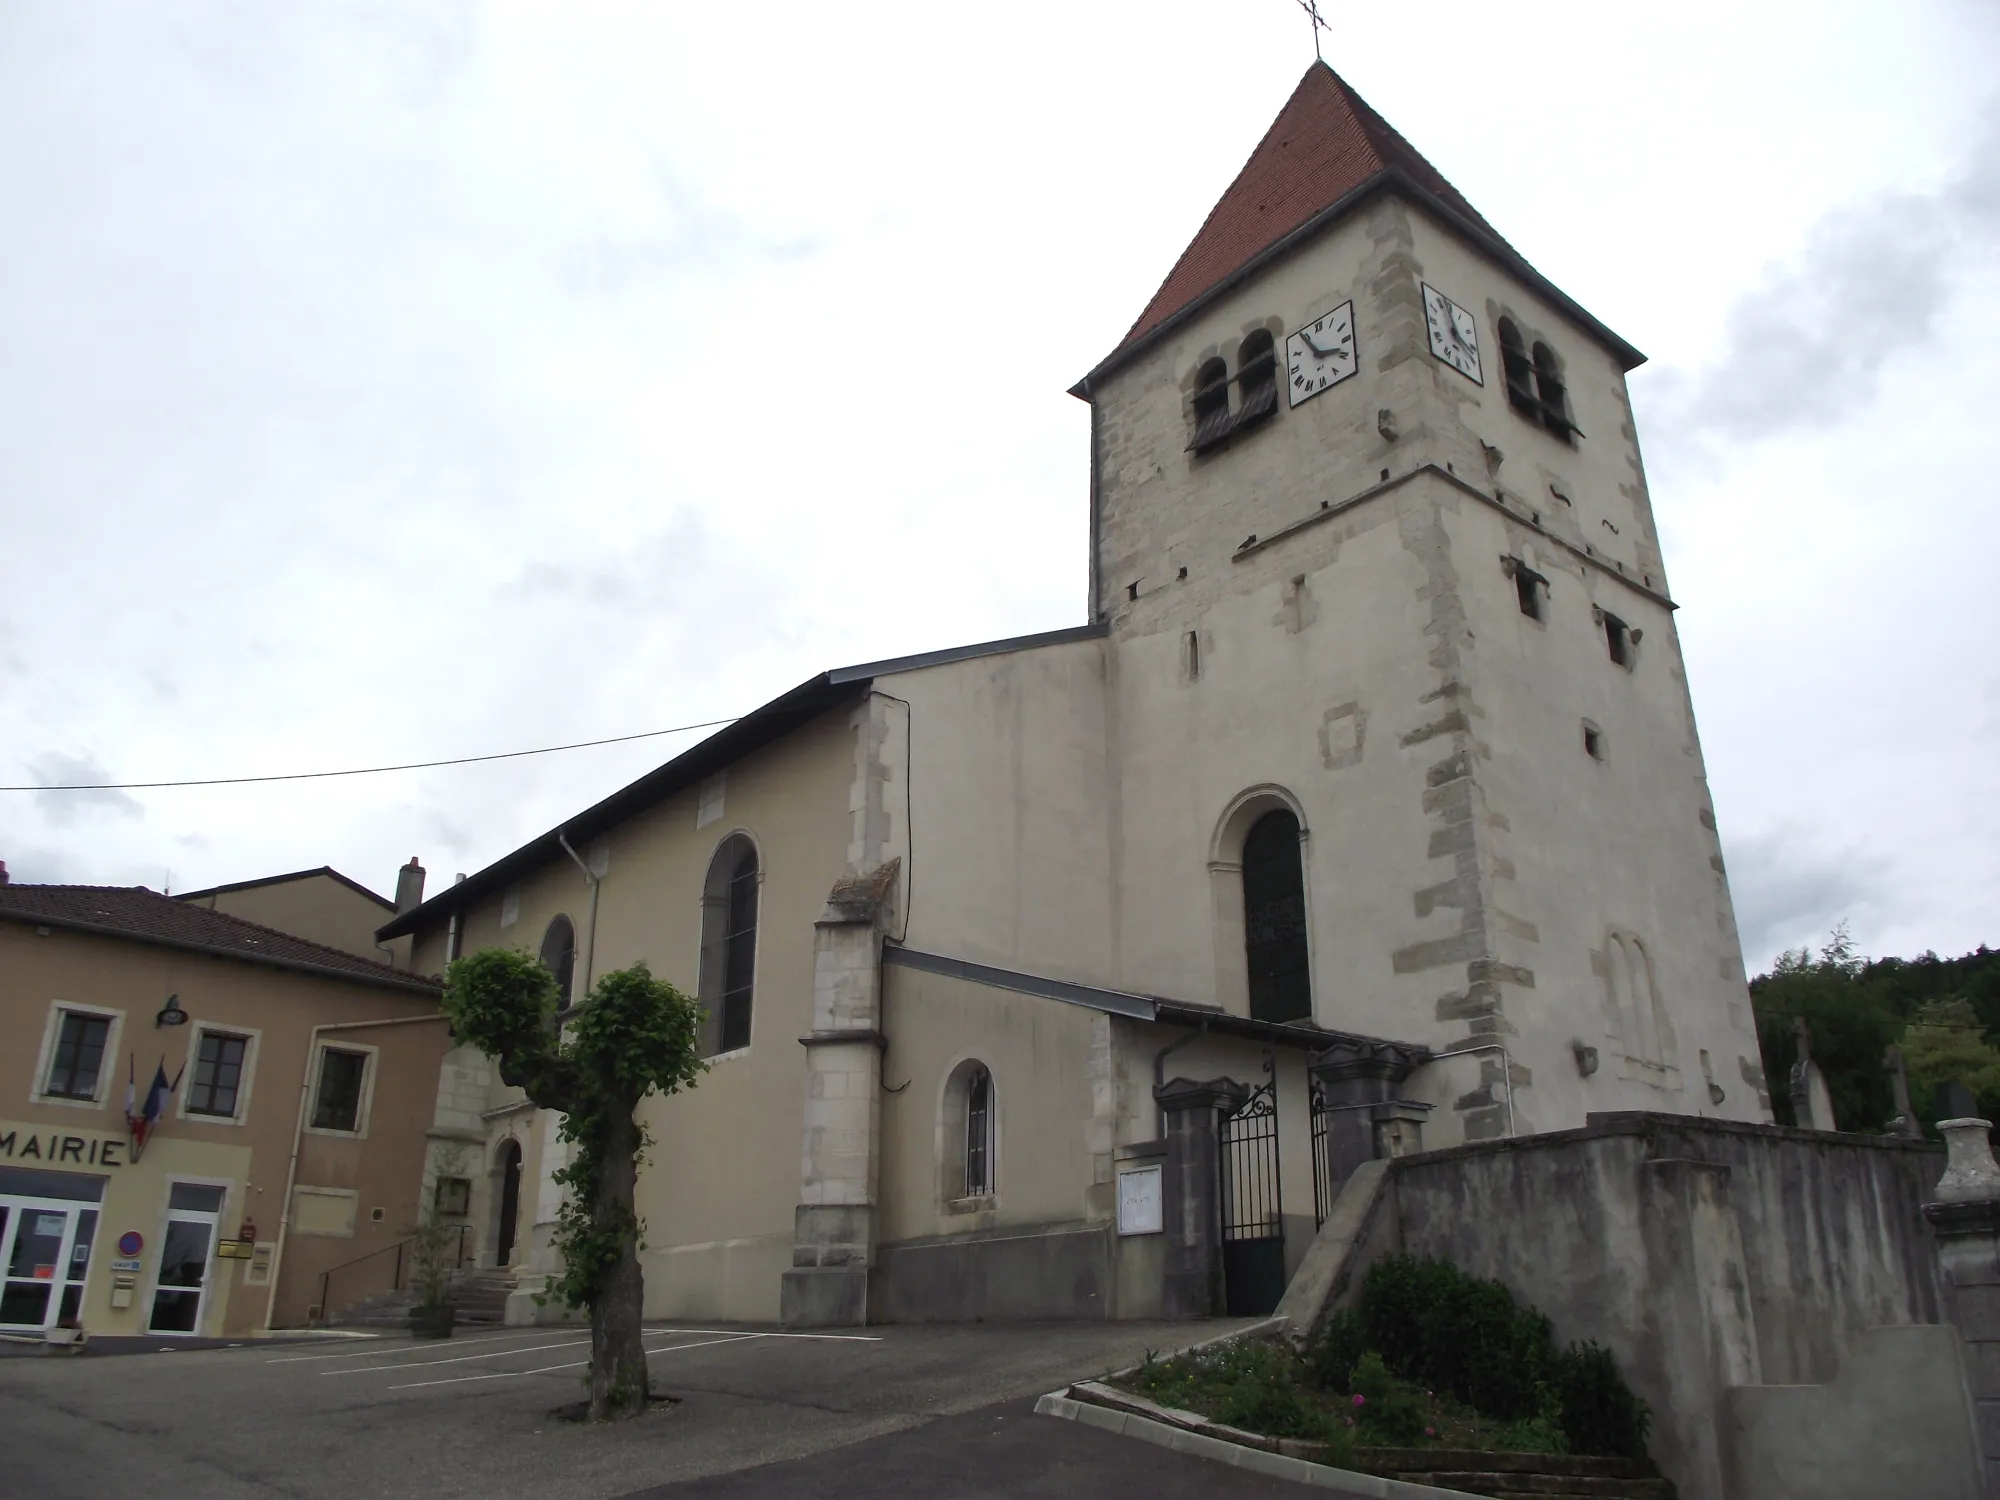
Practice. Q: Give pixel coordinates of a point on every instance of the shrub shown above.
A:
(1468, 1338)
(1599, 1412)
(1243, 1383)
(1330, 1357)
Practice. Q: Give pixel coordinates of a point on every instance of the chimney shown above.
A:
(409, 886)
(4, 877)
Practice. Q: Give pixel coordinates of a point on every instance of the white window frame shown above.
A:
(192, 1059)
(362, 1105)
(167, 1214)
(52, 1033)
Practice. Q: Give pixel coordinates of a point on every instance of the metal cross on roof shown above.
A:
(1311, 8)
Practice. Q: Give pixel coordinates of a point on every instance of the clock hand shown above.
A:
(1313, 344)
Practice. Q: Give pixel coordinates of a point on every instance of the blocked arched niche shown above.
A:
(1261, 895)
(1635, 1012)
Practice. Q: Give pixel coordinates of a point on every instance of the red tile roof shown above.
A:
(147, 916)
(1325, 143)
(1326, 146)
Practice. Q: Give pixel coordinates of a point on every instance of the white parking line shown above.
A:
(491, 1338)
(457, 1359)
(758, 1333)
(576, 1364)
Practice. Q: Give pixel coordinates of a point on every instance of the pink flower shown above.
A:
(1350, 1421)
(1360, 1400)
(1430, 1432)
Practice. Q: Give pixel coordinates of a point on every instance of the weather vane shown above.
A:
(1311, 8)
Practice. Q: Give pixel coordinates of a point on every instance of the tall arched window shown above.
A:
(1549, 391)
(1257, 371)
(729, 945)
(1274, 920)
(1211, 404)
(979, 1135)
(559, 955)
(1520, 370)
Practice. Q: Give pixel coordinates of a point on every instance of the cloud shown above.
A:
(1788, 892)
(1805, 348)
(61, 809)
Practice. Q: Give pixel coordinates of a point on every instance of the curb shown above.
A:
(1253, 1460)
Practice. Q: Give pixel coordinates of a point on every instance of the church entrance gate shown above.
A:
(1253, 1220)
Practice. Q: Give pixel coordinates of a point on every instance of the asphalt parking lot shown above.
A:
(760, 1412)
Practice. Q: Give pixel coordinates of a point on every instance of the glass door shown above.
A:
(36, 1241)
(192, 1213)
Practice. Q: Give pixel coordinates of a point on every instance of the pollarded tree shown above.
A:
(632, 1035)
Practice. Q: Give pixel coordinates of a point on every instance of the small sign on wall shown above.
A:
(1141, 1200)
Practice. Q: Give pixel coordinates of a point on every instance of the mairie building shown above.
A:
(1364, 813)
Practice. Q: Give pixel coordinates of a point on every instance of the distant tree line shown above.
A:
(1944, 1013)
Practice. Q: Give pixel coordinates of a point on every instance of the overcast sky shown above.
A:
(403, 380)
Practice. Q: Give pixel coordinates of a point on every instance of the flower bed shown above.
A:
(1430, 1358)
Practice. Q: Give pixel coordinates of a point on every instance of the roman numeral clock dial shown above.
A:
(1454, 333)
(1322, 353)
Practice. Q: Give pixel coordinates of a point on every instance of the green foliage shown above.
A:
(1458, 1334)
(1389, 1412)
(1244, 1384)
(1329, 1359)
(1856, 1007)
(632, 1035)
(1599, 1413)
(434, 1239)
(1468, 1340)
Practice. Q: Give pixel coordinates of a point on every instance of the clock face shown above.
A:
(1454, 334)
(1322, 353)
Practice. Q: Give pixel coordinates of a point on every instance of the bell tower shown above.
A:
(1369, 526)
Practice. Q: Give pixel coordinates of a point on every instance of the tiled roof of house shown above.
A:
(1326, 147)
(147, 916)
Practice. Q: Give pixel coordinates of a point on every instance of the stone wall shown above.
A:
(1707, 1255)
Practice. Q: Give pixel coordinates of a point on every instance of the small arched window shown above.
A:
(1549, 392)
(1520, 371)
(1274, 920)
(968, 1133)
(1257, 370)
(1211, 405)
(559, 956)
(729, 945)
(979, 1134)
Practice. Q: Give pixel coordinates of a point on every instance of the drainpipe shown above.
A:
(299, 1135)
(590, 931)
(1506, 1070)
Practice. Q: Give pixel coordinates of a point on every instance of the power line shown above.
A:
(415, 765)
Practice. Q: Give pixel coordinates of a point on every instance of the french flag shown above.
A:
(141, 1122)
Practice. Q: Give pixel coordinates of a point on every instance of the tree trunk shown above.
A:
(618, 1378)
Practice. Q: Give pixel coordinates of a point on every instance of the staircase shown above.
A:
(480, 1297)
(1519, 1476)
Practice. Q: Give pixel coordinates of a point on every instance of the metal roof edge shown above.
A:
(251, 885)
(756, 729)
(951, 654)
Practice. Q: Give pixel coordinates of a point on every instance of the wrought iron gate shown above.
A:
(1322, 1159)
(1253, 1218)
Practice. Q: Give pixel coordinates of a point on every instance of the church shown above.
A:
(1068, 976)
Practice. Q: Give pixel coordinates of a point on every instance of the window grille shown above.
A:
(979, 1134)
(338, 1103)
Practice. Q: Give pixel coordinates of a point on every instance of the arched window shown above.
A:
(559, 955)
(729, 945)
(979, 1135)
(968, 1133)
(1274, 920)
(1549, 392)
(1520, 371)
(1211, 405)
(1257, 371)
